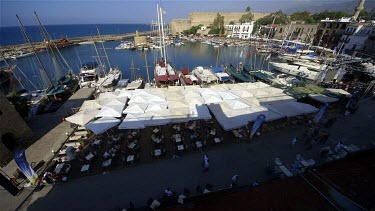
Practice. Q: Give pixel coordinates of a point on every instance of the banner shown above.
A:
(259, 120)
(321, 112)
(20, 159)
(296, 166)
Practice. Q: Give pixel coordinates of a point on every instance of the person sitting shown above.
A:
(48, 178)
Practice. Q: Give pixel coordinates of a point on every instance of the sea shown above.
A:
(190, 55)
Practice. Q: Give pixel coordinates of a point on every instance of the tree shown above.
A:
(231, 23)
(248, 17)
(280, 18)
(302, 16)
(192, 30)
(218, 25)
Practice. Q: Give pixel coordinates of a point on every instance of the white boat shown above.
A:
(280, 79)
(125, 46)
(86, 43)
(108, 82)
(294, 70)
(205, 74)
(311, 65)
(89, 74)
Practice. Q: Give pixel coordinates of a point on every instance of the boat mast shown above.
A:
(54, 44)
(148, 75)
(162, 32)
(105, 52)
(97, 54)
(34, 50)
(133, 69)
(159, 30)
(54, 59)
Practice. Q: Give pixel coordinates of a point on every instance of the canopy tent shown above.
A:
(105, 95)
(132, 121)
(83, 117)
(273, 91)
(156, 107)
(207, 91)
(172, 96)
(227, 95)
(255, 85)
(194, 93)
(136, 108)
(113, 101)
(195, 101)
(291, 109)
(210, 99)
(157, 98)
(199, 112)
(322, 98)
(103, 124)
(276, 99)
(90, 104)
(219, 87)
(140, 92)
(158, 90)
(157, 118)
(179, 115)
(236, 104)
(178, 104)
(124, 93)
(138, 99)
(111, 111)
(259, 93)
(235, 87)
(175, 88)
(241, 93)
(251, 101)
(191, 87)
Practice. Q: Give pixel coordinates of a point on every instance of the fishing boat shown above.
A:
(187, 78)
(237, 74)
(299, 71)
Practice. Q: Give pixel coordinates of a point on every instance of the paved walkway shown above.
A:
(42, 149)
(248, 160)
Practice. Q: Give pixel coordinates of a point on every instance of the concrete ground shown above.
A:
(248, 160)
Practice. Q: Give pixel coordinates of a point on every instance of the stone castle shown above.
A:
(206, 19)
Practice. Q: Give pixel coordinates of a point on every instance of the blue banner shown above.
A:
(259, 120)
(20, 159)
(321, 112)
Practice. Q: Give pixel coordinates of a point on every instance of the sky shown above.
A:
(127, 11)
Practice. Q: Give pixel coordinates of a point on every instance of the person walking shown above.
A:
(234, 180)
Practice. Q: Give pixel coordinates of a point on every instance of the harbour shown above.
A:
(218, 105)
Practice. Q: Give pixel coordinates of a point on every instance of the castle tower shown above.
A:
(358, 9)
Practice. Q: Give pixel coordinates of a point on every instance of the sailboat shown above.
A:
(137, 82)
(165, 75)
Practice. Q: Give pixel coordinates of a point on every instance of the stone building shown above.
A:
(139, 40)
(11, 122)
(329, 32)
(296, 31)
(206, 19)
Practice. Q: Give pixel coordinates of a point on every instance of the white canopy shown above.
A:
(103, 124)
(195, 101)
(259, 93)
(113, 101)
(179, 115)
(107, 95)
(291, 109)
(219, 87)
(241, 93)
(194, 93)
(132, 121)
(207, 91)
(82, 117)
(172, 96)
(210, 99)
(157, 98)
(199, 112)
(111, 111)
(156, 107)
(124, 93)
(90, 104)
(157, 118)
(138, 99)
(236, 104)
(178, 104)
(226, 95)
(136, 108)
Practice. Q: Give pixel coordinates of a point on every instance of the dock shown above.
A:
(45, 148)
(73, 41)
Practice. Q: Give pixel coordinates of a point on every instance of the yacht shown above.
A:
(89, 74)
(206, 75)
(299, 71)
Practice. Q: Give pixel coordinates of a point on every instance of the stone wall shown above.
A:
(179, 25)
(11, 122)
(206, 19)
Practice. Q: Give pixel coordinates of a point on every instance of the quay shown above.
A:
(73, 41)
(41, 150)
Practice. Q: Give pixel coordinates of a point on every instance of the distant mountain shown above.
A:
(315, 6)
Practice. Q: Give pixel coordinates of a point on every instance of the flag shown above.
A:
(241, 54)
(321, 112)
(258, 121)
(268, 57)
(20, 159)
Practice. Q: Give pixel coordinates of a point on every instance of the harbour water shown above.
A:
(13, 35)
(189, 56)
